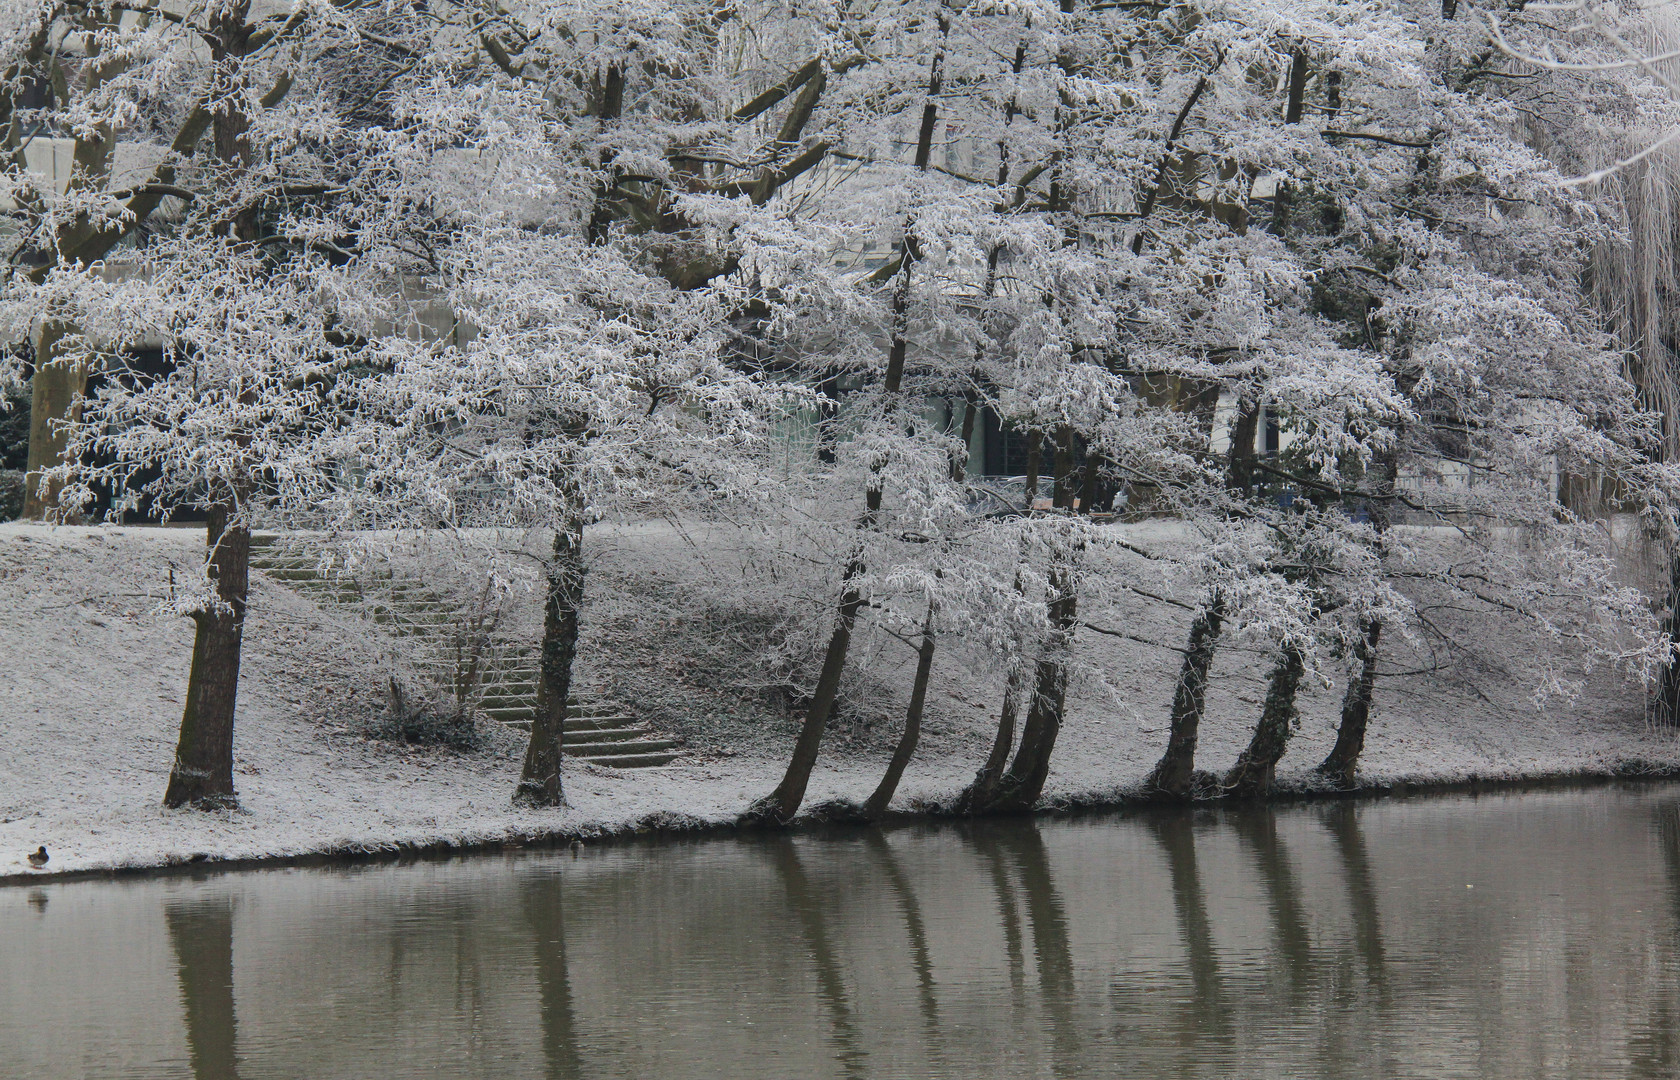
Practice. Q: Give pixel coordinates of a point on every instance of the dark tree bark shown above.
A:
(202, 775)
(1356, 711)
(1245, 428)
(979, 793)
(1255, 767)
(959, 456)
(878, 802)
(781, 805)
(539, 779)
(1668, 688)
(203, 772)
(1172, 775)
(1062, 494)
(1019, 788)
(608, 110)
(1340, 766)
(1035, 458)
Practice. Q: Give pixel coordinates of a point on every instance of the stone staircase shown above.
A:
(502, 676)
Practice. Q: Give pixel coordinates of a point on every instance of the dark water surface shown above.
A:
(1506, 936)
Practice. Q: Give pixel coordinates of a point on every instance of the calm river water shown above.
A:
(1507, 936)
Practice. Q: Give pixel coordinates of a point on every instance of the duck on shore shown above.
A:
(38, 857)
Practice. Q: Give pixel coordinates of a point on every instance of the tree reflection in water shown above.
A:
(1208, 1018)
(914, 927)
(806, 906)
(1654, 1048)
(1047, 919)
(1256, 827)
(201, 935)
(1531, 936)
(542, 899)
(1342, 819)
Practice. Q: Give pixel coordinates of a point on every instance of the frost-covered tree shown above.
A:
(1303, 277)
(255, 237)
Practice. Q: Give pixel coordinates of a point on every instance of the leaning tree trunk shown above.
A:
(877, 804)
(1019, 788)
(979, 792)
(1339, 767)
(1255, 767)
(1356, 711)
(1172, 774)
(202, 776)
(781, 805)
(539, 780)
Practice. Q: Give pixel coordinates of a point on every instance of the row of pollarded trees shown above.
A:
(1101, 222)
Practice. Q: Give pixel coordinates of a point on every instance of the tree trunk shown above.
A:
(55, 395)
(1061, 494)
(202, 776)
(1245, 427)
(980, 791)
(781, 805)
(1020, 787)
(203, 772)
(1668, 688)
(1172, 774)
(959, 456)
(1253, 772)
(1356, 711)
(539, 780)
(878, 802)
(1356, 703)
(57, 387)
(1035, 458)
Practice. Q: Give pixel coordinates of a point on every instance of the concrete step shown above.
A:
(636, 761)
(522, 715)
(573, 727)
(627, 746)
(507, 670)
(507, 714)
(577, 725)
(579, 736)
(494, 698)
(294, 573)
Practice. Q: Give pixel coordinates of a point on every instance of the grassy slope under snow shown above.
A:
(92, 684)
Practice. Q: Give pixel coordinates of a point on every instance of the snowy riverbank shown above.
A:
(91, 688)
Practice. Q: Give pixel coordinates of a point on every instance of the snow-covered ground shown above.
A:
(91, 687)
